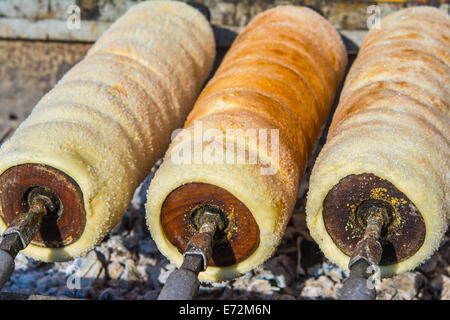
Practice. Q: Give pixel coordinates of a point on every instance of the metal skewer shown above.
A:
(22, 231)
(366, 256)
(183, 284)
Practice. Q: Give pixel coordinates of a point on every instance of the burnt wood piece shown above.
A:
(400, 239)
(58, 229)
(179, 213)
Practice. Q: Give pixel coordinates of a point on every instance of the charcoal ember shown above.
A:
(120, 253)
(123, 228)
(22, 282)
(285, 297)
(138, 228)
(299, 221)
(227, 293)
(150, 295)
(145, 268)
(408, 285)
(52, 292)
(445, 256)
(154, 277)
(160, 273)
(44, 284)
(140, 195)
(65, 292)
(86, 293)
(147, 247)
(131, 243)
(135, 293)
(207, 292)
(283, 268)
(431, 264)
(299, 269)
(103, 252)
(436, 283)
(143, 272)
(108, 294)
(311, 258)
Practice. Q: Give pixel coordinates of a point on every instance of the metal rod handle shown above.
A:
(19, 235)
(366, 256)
(183, 284)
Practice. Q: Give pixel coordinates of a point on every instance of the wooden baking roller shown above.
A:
(388, 145)
(279, 77)
(93, 138)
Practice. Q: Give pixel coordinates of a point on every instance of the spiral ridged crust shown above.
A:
(393, 121)
(110, 117)
(281, 73)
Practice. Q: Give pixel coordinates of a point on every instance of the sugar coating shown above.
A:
(168, 67)
(151, 29)
(136, 72)
(393, 121)
(109, 119)
(276, 75)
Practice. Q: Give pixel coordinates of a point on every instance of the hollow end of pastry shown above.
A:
(60, 228)
(401, 237)
(240, 236)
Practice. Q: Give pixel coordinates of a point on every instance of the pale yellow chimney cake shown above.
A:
(389, 143)
(95, 136)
